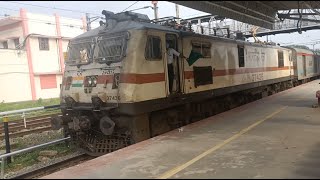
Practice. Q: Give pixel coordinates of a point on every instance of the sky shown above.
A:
(77, 9)
(95, 8)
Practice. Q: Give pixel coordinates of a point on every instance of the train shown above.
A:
(115, 88)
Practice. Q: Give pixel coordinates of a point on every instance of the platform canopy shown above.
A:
(259, 13)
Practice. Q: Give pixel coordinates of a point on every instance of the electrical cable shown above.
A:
(42, 21)
(130, 6)
(9, 9)
(75, 11)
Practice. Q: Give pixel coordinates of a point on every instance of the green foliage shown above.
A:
(39, 101)
(30, 158)
(300, 46)
(28, 104)
(317, 51)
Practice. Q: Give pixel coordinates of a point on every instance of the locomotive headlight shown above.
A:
(89, 81)
(94, 81)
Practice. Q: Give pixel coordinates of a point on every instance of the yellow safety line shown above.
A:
(177, 169)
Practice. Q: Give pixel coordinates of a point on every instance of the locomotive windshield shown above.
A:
(111, 48)
(79, 52)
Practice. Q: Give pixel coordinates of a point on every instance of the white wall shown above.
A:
(67, 31)
(44, 61)
(47, 93)
(14, 72)
(14, 76)
(46, 25)
(15, 32)
(48, 61)
(65, 45)
(38, 24)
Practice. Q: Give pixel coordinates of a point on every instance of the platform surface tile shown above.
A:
(275, 137)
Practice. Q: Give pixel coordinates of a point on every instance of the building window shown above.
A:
(5, 44)
(202, 48)
(153, 48)
(48, 81)
(280, 59)
(16, 42)
(241, 56)
(43, 43)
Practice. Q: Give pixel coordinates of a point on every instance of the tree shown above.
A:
(317, 51)
(300, 46)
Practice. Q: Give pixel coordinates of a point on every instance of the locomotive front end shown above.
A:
(90, 92)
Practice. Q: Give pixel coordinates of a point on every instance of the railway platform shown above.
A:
(275, 137)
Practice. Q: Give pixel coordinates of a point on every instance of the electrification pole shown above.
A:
(177, 13)
(155, 8)
(88, 22)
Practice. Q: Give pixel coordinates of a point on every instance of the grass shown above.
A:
(30, 104)
(30, 158)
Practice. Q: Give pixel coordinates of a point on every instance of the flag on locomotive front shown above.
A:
(193, 57)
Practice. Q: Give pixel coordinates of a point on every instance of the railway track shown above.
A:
(54, 167)
(34, 125)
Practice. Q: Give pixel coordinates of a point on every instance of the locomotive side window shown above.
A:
(202, 48)
(241, 56)
(280, 59)
(153, 48)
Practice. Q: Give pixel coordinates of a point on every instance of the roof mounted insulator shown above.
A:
(101, 23)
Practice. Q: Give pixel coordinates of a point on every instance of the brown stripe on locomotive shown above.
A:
(190, 74)
(133, 78)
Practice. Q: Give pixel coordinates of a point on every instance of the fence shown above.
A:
(3, 156)
(5, 116)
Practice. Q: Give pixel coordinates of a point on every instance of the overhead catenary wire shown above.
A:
(81, 11)
(130, 6)
(9, 9)
(43, 21)
(62, 9)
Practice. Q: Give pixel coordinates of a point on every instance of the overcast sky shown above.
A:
(95, 8)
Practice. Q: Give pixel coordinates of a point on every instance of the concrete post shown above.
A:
(6, 136)
(177, 13)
